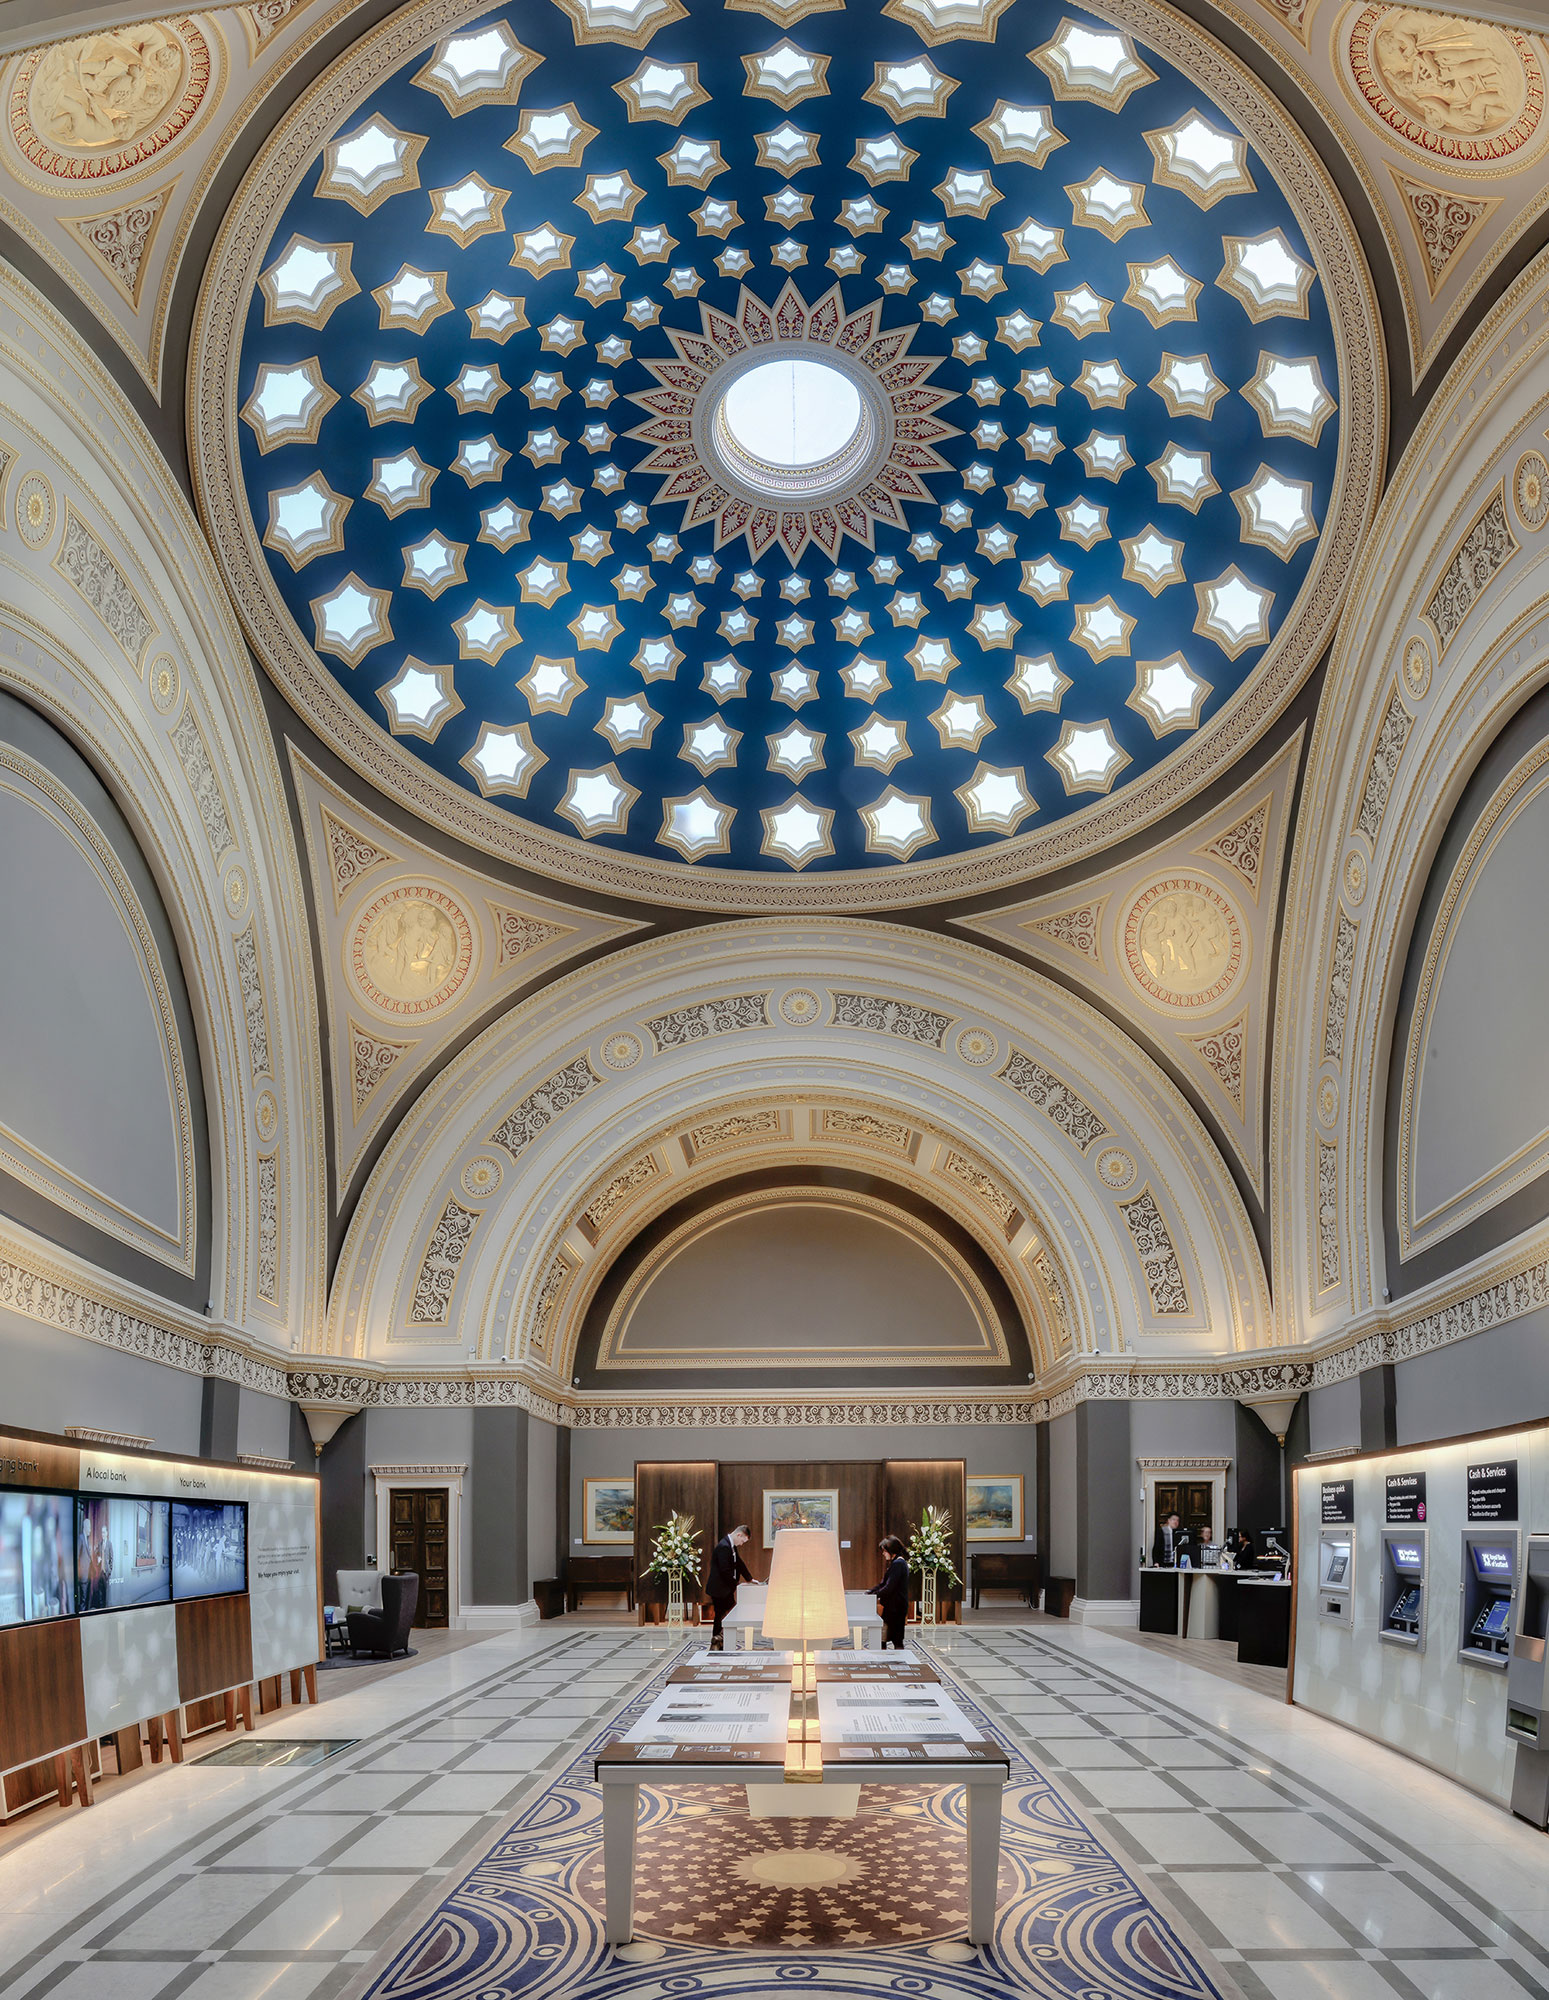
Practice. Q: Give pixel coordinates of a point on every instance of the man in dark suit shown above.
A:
(892, 1593)
(1172, 1541)
(727, 1570)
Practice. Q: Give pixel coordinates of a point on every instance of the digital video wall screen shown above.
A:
(122, 1553)
(37, 1565)
(209, 1548)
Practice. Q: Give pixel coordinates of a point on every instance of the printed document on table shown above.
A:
(855, 1715)
(686, 1714)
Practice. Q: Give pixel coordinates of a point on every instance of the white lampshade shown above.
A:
(806, 1588)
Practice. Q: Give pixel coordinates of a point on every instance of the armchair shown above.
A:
(387, 1631)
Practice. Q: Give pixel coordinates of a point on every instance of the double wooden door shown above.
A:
(1192, 1500)
(417, 1524)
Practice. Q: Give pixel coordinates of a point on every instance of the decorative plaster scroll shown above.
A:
(1391, 738)
(86, 564)
(545, 1307)
(520, 934)
(264, 18)
(709, 1017)
(1483, 552)
(1058, 1102)
(1078, 929)
(449, 1240)
(996, 1199)
(1328, 1215)
(370, 1060)
(193, 755)
(881, 1016)
(351, 857)
(254, 1013)
(869, 1130)
(1241, 846)
(1222, 1052)
(1048, 1277)
(1338, 1005)
(269, 1228)
(735, 1130)
(1443, 222)
(638, 1174)
(542, 1106)
(1158, 1259)
(120, 239)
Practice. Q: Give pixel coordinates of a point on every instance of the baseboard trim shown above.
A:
(1105, 1611)
(497, 1617)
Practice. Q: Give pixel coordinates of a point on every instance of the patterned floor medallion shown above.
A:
(727, 1904)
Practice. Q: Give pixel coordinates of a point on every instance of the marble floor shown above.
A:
(1302, 1862)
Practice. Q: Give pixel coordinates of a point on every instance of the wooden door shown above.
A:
(417, 1524)
(1193, 1501)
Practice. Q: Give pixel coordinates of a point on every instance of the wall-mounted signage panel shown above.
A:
(1492, 1490)
(1405, 1498)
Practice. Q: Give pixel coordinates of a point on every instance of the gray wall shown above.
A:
(1204, 1428)
(263, 1424)
(543, 1550)
(597, 1454)
(50, 1379)
(1062, 1496)
(1494, 1379)
(1334, 1417)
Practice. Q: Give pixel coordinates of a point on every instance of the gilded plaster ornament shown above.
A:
(621, 1051)
(35, 510)
(1115, 1168)
(800, 1007)
(1443, 221)
(481, 1177)
(411, 950)
(1328, 1102)
(1183, 943)
(1417, 668)
(1463, 90)
(1355, 875)
(266, 1116)
(120, 240)
(977, 1045)
(1530, 490)
(1222, 1051)
(84, 109)
(235, 888)
(164, 681)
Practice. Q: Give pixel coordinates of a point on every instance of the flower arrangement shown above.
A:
(673, 1553)
(930, 1546)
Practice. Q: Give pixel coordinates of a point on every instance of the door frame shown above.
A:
(449, 1476)
(1183, 1470)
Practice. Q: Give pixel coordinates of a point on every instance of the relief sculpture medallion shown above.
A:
(411, 950)
(1462, 90)
(84, 109)
(1183, 943)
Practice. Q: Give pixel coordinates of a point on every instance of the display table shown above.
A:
(886, 1721)
(1263, 1622)
(746, 1618)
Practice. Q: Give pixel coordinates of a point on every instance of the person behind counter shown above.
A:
(892, 1593)
(1240, 1548)
(727, 1570)
(1172, 1541)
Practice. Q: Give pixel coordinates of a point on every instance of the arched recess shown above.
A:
(114, 626)
(1085, 1136)
(1448, 637)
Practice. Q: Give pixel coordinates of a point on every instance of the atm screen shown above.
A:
(1495, 1619)
(1493, 1562)
(1338, 1563)
(1408, 1557)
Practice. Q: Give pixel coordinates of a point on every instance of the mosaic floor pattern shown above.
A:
(729, 1904)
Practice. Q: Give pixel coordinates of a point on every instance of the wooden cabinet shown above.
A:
(417, 1541)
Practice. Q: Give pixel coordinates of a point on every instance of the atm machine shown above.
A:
(1489, 1582)
(1336, 1574)
(1527, 1688)
(1402, 1608)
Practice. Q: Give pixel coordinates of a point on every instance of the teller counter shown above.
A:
(1220, 1604)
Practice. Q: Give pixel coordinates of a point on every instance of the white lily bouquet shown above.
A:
(930, 1546)
(673, 1551)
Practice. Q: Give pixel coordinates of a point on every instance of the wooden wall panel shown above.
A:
(27, 1460)
(860, 1509)
(685, 1487)
(909, 1486)
(44, 1705)
(214, 1646)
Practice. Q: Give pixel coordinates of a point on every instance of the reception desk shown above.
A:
(1220, 1604)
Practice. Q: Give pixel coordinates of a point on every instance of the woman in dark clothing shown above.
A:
(892, 1593)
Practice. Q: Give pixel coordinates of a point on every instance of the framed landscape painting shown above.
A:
(786, 1507)
(608, 1511)
(994, 1507)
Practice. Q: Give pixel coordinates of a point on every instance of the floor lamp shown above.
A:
(805, 1606)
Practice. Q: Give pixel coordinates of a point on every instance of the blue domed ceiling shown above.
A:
(1047, 427)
